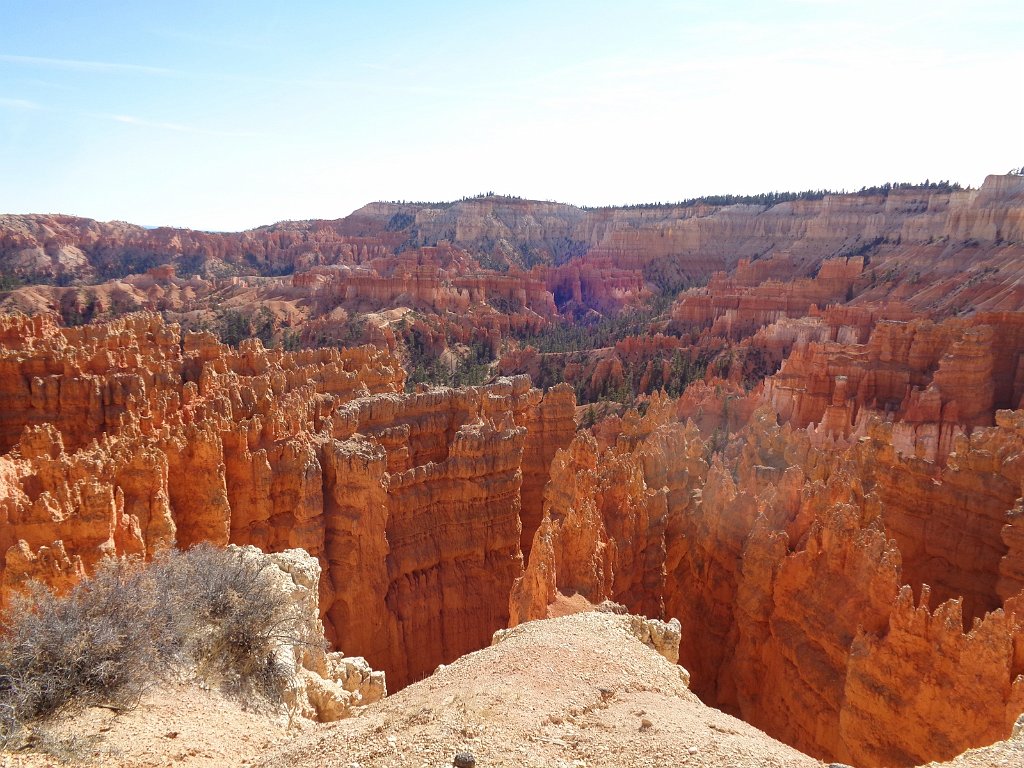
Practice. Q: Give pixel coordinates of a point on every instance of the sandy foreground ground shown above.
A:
(577, 691)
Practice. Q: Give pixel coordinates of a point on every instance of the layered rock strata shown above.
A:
(933, 380)
(937, 248)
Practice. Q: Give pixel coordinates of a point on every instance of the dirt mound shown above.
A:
(576, 690)
(580, 690)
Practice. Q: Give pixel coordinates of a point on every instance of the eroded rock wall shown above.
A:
(784, 562)
(411, 502)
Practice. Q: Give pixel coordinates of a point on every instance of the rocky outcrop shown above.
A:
(324, 686)
(661, 636)
(752, 297)
(606, 513)
(933, 380)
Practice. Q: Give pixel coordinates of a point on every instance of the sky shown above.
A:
(227, 115)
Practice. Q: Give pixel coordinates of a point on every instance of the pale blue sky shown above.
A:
(226, 115)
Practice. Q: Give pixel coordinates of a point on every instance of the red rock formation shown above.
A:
(935, 380)
(913, 244)
(883, 685)
(844, 546)
(785, 566)
(595, 283)
(603, 531)
(550, 425)
(128, 438)
(737, 306)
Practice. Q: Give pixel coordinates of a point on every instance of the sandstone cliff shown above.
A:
(913, 244)
(127, 437)
(786, 565)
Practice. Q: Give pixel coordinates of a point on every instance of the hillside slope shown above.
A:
(577, 690)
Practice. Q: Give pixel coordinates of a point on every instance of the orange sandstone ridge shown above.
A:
(501, 267)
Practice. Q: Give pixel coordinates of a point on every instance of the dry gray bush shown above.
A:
(207, 611)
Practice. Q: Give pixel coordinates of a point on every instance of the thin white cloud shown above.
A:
(213, 41)
(79, 65)
(176, 127)
(131, 120)
(19, 104)
(109, 67)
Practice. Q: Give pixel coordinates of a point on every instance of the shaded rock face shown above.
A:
(126, 438)
(856, 602)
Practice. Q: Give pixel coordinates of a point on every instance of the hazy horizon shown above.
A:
(243, 114)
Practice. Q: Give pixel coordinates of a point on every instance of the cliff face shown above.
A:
(786, 565)
(128, 438)
(933, 380)
(758, 294)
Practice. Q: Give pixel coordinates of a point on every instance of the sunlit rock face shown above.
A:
(935, 250)
(848, 597)
(127, 437)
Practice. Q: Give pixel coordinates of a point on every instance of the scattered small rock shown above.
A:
(646, 724)
(693, 750)
(464, 760)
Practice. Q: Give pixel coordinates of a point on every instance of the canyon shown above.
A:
(124, 438)
(797, 428)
